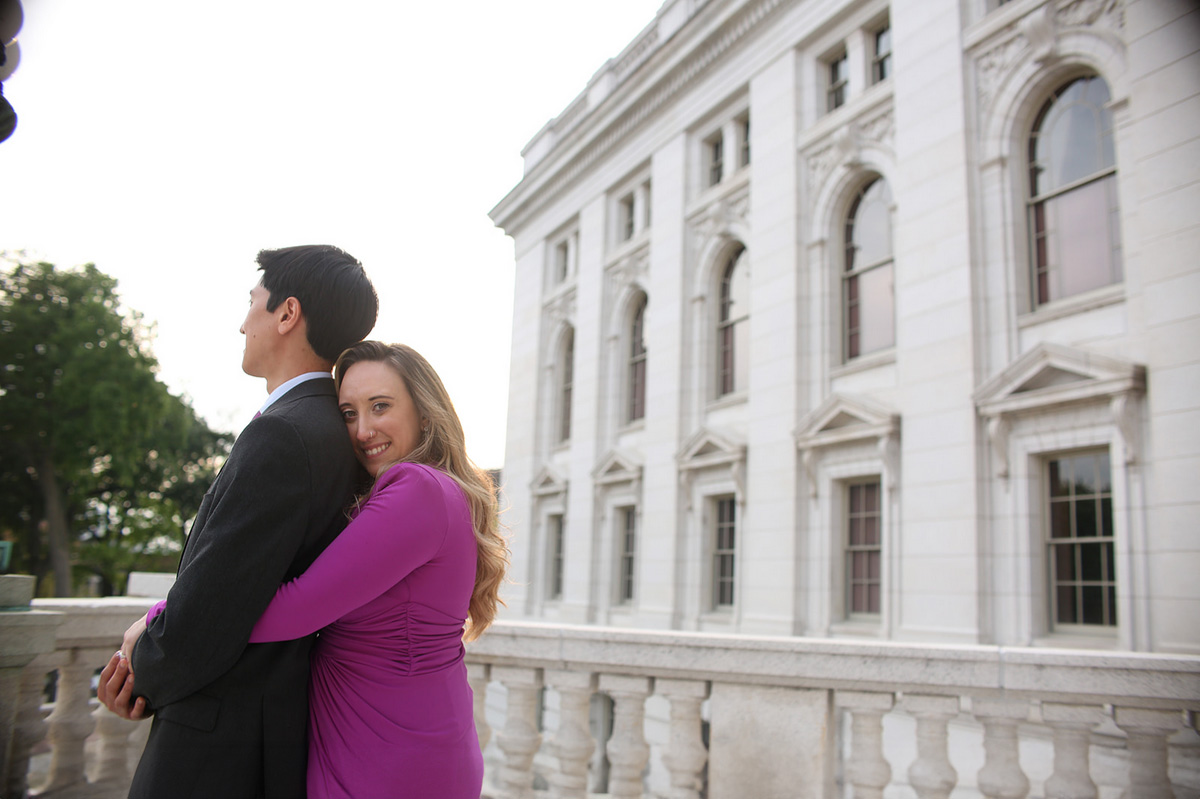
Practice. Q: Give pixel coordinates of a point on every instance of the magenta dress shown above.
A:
(390, 711)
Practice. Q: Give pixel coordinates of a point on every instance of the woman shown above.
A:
(390, 710)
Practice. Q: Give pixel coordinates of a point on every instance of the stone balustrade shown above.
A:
(92, 751)
(725, 716)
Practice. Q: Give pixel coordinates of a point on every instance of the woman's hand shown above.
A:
(115, 689)
(131, 636)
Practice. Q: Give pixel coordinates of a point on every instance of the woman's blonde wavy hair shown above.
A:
(443, 446)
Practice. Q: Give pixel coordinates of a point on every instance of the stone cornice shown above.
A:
(632, 104)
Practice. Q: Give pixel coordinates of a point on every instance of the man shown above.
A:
(231, 717)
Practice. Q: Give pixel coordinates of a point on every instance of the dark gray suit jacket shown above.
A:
(231, 717)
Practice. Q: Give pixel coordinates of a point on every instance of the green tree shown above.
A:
(100, 465)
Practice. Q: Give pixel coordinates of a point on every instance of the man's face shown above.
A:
(259, 330)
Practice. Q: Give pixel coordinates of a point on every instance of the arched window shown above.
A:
(868, 312)
(733, 339)
(637, 361)
(1074, 233)
(566, 382)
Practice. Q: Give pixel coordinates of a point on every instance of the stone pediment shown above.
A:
(618, 466)
(843, 419)
(707, 447)
(1053, 374)
(548, 482)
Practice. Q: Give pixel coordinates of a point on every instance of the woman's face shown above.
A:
(380, 415)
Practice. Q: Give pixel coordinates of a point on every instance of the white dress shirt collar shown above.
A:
(288, 386)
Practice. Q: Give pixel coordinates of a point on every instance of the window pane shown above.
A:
(1084, 468)
(1065, 596)
(1085, 518)
(1110, 566)
(872, 231)
(1091, 567)
(1074, 135)
(1060, 520)
(876, 328)
(1093, 604)
(870, 530)
(1060, 478)
(737, 296)
(1064, 563)
(873, 566)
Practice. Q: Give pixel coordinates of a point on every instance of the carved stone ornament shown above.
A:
(633, 268)
(561, 308)
(846, 145)
(1081, 13)
(1041, 32)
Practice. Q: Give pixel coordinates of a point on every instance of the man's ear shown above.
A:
(288, 315)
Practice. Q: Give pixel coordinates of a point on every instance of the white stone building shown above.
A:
(846, 318)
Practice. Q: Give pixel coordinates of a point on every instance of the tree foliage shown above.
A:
(100, 465)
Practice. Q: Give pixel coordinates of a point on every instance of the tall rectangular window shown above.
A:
(637, 362)
(555, 562)
(1083, 576)
(628, 518)
(863, 551)
(839, 72)
(566, 386)
(743, 141)
(881, 61)
(724, 545)
(625, 219)
(715, 158)
(562, 261)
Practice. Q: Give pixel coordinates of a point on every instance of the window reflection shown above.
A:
(733, 341)
(1073, 207)
(868, 288)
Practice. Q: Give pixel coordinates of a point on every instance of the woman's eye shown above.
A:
(379, 407)
(347, 416)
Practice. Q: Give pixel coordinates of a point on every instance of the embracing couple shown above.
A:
(347, 507)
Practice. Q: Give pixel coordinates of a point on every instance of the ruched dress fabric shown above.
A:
(390, 709)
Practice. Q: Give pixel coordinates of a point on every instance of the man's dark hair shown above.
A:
(336, 296)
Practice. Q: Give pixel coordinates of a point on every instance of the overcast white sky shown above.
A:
(169, 142)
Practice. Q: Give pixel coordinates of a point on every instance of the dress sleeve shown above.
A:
(400, 527)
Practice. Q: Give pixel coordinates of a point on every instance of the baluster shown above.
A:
(572, 743)
(520, 739)
(30, 727)
(686, 755)
(112, 757)
(70, 723)
(627, 749)
(1072, 726)
(931, 773)
(478, 676)
(867, 770)
(1001, 776)
(1148, 731)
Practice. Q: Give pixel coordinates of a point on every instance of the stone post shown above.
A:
(1148, 731)
(1072, 725)
(572, 743)
(627, 749)
(24, 634)
(931, 773)
(686, 755)
(867, 770)
(1001, 776)
(520, 739)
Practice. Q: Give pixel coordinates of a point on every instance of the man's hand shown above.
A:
(115, 690)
